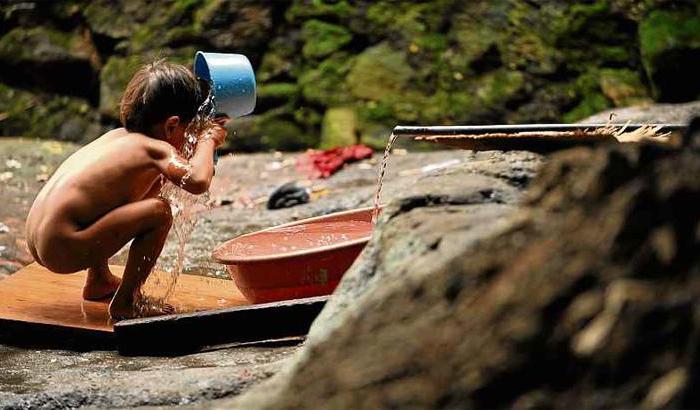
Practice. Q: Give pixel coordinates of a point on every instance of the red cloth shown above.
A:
(322, 164)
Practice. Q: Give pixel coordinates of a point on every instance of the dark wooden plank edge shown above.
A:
(49, 336)
(189, 332)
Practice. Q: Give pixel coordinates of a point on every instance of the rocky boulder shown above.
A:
(585, 297)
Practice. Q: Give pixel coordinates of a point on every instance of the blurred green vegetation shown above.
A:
(335, 71)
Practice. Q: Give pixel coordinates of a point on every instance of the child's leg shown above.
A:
(100, 282)
(147, 222)
(143, 254)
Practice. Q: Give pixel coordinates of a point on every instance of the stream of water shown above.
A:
(185, 208)
(380, 177)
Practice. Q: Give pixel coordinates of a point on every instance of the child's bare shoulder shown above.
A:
(138, 141)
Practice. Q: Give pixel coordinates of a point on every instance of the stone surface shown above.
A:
(47, 379)
(658, 113)
(469, 192)
(583, 297)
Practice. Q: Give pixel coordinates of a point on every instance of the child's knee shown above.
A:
(162, 211)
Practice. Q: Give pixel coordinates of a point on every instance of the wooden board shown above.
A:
(188, 332)
(35, 295)
(529, 141)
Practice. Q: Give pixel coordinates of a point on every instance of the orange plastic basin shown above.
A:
(296, 260)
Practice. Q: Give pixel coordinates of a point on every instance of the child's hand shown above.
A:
(216, 133)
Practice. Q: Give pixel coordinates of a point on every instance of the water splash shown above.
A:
(185, 208)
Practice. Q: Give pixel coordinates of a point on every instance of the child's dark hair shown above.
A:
(157, 91)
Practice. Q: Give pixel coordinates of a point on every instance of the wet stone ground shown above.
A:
(59, 378)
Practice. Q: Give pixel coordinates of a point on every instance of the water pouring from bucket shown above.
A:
(229, 81)
(232, 81)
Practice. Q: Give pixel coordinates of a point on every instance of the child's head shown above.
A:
(158, 92)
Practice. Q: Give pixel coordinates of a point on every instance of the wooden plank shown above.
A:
(43, 309)
(541, 138)
(38, 296)
(177, 334)
(536, 142)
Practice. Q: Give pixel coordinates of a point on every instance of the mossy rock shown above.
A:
(114, 77)
(46, 116)
(117, 72)
(623, 87)
(498, 87)
(670, 47)
(303, 9)
(116, 19)
(277, 91)
(591, 35)
(322, 39)
(167, 25)
(281, 58)
(470, 33)
(547, 104)
(528, 38)
(591, 99)
(39, 45)
(379, 73)
(402, 20)
(325, 83)
(339, 128)
(241, 26)
(269, 131)
(285, 135)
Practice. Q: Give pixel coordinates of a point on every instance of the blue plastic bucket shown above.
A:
(232, 78)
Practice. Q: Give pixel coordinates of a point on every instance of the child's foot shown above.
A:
(100, 285)
(121, 310)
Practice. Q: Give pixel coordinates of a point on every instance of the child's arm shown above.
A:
(194, 175)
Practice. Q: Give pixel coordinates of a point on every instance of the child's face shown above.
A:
(177, 136)
(173, 131)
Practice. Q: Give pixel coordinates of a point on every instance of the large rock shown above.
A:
(657, 113)
(670, 46)
(583, 298)
(47, 116)
(241, 26)
(50, 60)
(117, 20)
(339, 128)
(322, 39)
(117, 72)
